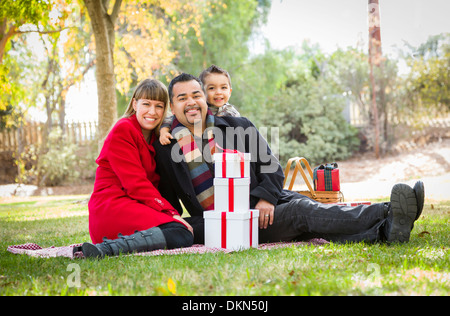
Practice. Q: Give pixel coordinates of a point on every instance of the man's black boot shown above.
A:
(403, 212)
(419, 190)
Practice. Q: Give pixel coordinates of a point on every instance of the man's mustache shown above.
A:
(191, 107)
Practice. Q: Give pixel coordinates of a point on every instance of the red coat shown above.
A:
(125, 197)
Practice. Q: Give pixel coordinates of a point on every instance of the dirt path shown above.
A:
(364, 176)
(430, 161)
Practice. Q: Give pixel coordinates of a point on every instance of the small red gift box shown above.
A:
(353, 203)
(326, 178)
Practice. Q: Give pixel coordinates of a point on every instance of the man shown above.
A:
(187, 172)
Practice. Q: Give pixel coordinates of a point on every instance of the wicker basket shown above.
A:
(319, 196)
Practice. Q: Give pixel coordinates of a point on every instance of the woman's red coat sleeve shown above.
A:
(126, 162)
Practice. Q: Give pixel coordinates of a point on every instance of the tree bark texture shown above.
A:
(103, 28)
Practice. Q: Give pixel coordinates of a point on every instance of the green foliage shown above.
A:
(303, 102)
(350, 71)
(20, 12)
(6, 92)
(22, 73)
(311, 123)
(429, 78)
(26, 165)
(224, 35)
(59, 163)
(258, 80)
(13, 93)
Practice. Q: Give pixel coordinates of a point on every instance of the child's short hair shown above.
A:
(214, 70)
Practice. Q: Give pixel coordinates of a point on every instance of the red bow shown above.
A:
(224, 162)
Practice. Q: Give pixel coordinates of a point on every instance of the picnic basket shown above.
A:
(319, 196)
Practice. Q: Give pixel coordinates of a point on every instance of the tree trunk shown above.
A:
(5, 35)
(103, 28)
(375, 54)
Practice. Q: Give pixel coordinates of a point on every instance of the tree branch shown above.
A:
(86, 69)
(3, 25)
(4, 39)
(45, 32)
(116, 11)
(104, 4)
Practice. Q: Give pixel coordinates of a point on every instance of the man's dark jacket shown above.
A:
(266, 176)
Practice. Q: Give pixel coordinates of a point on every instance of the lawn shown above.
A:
(420, 267)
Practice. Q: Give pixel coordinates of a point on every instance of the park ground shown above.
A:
(420, 267)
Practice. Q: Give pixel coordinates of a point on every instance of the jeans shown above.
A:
(302, 218)
(176, 235)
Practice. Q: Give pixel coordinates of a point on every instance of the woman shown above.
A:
(125, 198)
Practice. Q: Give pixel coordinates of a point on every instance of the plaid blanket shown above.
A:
(35, 250)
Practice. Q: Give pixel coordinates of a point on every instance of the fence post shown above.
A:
(35, 133)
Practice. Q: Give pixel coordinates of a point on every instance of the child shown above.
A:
(217, 86)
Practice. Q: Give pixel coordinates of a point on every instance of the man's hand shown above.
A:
(266, 213)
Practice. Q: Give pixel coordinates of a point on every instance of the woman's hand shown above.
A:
(189, 227)
(266, 213)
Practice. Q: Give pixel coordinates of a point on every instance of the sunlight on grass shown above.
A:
(33, 216)
(41, 210)
(420, 267)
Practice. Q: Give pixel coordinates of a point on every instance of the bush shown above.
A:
(309, 115)
(59, 163)
(26, 163)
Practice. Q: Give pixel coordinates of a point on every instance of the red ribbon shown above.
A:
(251, 228)
(224, 162)
(231, 195)
(224, 229)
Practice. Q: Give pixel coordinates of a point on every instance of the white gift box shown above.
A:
(231, 230)
(231, 195)
(232, 165)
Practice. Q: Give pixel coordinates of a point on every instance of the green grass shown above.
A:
(420, 267)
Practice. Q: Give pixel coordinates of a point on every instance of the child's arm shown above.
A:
(228, 110)
(164, 131)
(165, 136)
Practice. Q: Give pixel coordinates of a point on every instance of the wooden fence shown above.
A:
(80, 133)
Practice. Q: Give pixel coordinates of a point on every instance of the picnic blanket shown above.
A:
(34, 250)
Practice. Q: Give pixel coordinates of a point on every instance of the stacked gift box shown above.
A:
(232, 224)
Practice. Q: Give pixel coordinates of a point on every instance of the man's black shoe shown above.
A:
(402, 214)
(419, 190)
